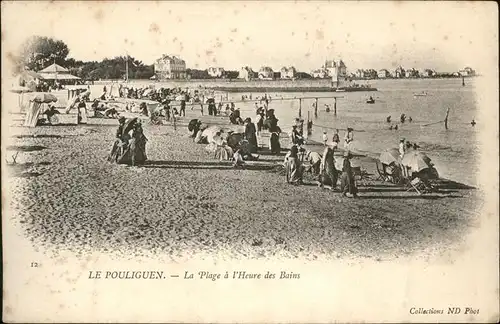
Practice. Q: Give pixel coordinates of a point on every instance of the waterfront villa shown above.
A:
(467, 72)
(170, 67)
(246, 73)
(288, 72)
(216, 72)
(399, 72)
(335, 69)
(382, 74)
(266, 73)
(319, 74)
(411, 73)
(427, 73)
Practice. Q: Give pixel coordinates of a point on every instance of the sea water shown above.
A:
(454, 151)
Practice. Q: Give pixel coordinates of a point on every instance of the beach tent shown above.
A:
(114, 90)
(35, 107)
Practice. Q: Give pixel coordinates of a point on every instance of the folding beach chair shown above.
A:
(419, 186)
(381, 173)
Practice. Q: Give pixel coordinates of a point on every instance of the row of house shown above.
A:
(400, 73)
(173, 67)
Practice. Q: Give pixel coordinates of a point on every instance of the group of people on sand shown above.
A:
(322, 167)
(130, 143)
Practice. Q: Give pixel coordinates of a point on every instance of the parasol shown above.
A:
(43, 97)
(389, 156)
(129, 124)
(416, 161)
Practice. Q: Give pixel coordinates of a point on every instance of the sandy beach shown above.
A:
(183, 203)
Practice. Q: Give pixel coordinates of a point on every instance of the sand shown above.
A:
(185, 204)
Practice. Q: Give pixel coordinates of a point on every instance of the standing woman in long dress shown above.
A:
(348, 138)
(347, 183)
(328, 172)
(138, 145)
(250, 135)
(293, 167)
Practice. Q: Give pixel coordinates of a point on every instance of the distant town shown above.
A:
(39, 53)
(173, 67)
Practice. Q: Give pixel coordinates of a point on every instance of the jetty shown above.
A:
(267, 88)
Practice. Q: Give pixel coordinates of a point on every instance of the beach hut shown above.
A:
(35, 107)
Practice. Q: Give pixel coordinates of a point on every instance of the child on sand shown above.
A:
(238, 159)
(325, 138)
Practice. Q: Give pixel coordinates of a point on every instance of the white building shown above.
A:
(467, 72)
(170, 67)
(246, 73)
(382, 74)
(288, 72)
(319, 73)
(336, 69)
(216, 72)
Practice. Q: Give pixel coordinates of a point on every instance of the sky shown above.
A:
(445, 36)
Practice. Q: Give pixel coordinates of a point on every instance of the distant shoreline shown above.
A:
(285, 82)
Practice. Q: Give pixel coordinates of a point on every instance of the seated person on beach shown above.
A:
(388, 119)
(50, 112)
(220, 148)
(95, 104)
(235, 118)
(111, 113)
(238, 159)
(293, 167)
(144, 109)
(120, 141)
(295, 136)
(245, 151)
(314, 159)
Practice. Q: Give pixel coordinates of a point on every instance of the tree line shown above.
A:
(39, 52)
